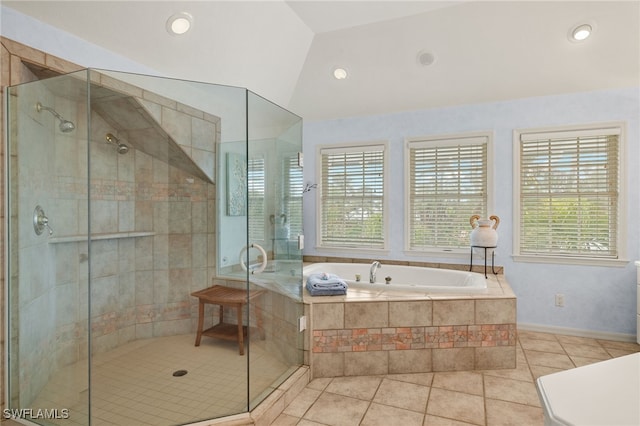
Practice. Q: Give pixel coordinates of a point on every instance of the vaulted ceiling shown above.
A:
(399, 55)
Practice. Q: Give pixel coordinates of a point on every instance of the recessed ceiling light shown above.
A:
(179, 23)
(340, 73)
(425, 58)
(581, 32)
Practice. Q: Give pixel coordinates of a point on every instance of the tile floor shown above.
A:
(496, 397)
(134, 384)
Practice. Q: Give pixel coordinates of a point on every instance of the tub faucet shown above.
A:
(372, 272)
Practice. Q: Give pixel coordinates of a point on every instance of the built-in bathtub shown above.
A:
(402, 278)
(404, 327)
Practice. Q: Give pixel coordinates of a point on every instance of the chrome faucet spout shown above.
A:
(372, 272)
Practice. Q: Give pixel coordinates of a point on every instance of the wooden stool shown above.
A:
(230, 297)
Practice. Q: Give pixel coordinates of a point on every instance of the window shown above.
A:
(568, 198)
(256, 195)
(352, 197)
(447, 182)
(293, 186)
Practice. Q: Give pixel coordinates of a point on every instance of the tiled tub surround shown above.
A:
(369, 332)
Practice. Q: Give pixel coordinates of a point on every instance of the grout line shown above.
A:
(315, 400)
(484, 399)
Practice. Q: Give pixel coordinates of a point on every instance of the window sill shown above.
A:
(568, 260)
(445, 253)
(350, 250)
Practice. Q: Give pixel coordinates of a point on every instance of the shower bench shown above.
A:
(232, 298)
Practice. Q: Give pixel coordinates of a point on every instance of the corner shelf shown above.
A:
(97, 237)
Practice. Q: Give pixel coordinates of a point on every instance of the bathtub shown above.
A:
(403, 278)
(425, 320)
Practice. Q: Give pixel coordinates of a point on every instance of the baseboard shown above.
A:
(604, 335)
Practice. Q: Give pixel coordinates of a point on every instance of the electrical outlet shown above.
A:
(560, 300)
(302, 323)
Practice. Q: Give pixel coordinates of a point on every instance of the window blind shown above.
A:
(256, 198)
(293, 194)
(569, 193)
(447, 184)
(352, 193)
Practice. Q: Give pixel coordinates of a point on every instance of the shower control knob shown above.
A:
(40, 221)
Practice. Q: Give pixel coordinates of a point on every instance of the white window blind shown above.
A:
(447, 184)
(352, 193)
(256, 190)
(569, 190)
(294, 184)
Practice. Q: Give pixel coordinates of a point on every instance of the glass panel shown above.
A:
(48, 272)
(153, 245)
(275, 351)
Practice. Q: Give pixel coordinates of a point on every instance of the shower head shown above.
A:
(65, 126)
(120, 147)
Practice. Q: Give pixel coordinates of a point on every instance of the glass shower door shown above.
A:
(153, 236)
(259, 197)
(274, 186)
(48, 286)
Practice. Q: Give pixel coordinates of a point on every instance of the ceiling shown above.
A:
(286, 51)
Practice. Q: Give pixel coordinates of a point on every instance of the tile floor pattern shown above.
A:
(496, 397)
(134, 384)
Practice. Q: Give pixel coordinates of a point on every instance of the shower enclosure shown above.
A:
(126, 194)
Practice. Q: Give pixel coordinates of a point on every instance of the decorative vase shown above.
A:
(484, 232)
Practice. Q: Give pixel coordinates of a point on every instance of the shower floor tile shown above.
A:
(134, 384)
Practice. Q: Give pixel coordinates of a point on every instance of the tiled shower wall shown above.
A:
(154, 244)
(163, 225)
(141, 285)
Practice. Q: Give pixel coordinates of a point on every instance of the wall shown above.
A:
(63, 45)
(597, 299)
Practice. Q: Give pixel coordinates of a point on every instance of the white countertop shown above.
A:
(606, 393)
